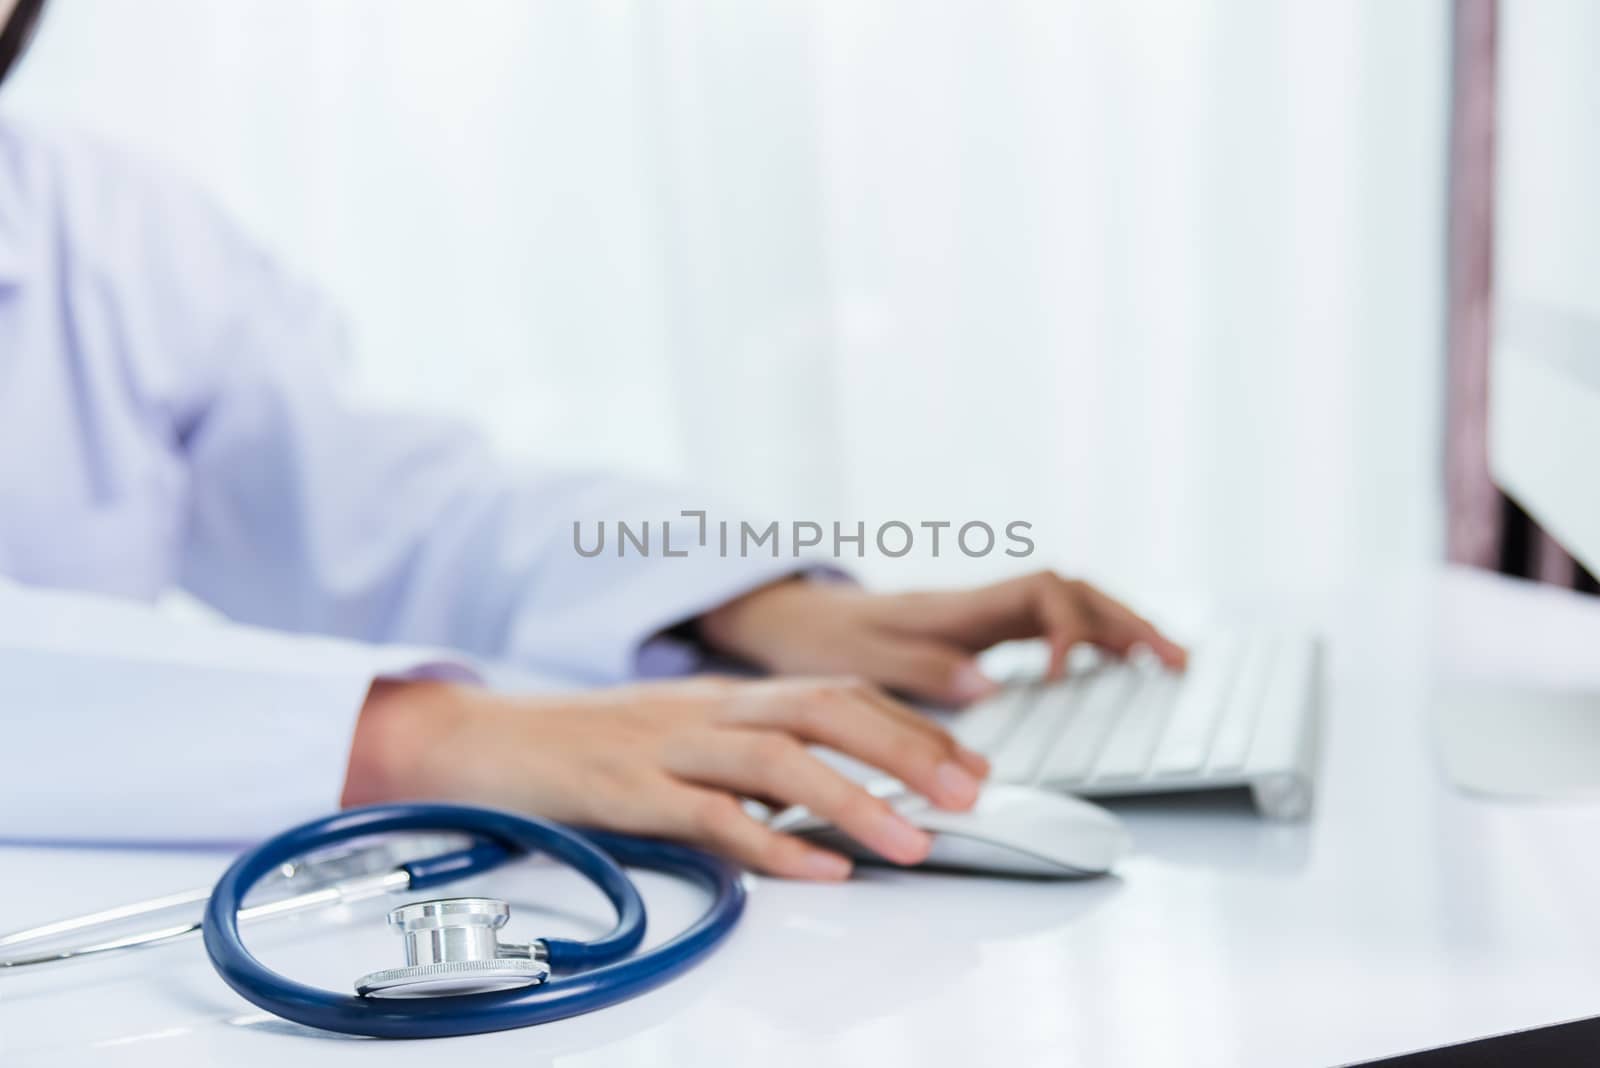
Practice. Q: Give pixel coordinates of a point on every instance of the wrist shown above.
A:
(745, 627)
(403, 729)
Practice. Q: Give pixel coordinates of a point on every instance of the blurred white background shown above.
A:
(1164, 279)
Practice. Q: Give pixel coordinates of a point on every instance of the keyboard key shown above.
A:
(1021, 751)
(986, 725)
(1231, 747)
(1060, 705)
(1082, 659)
(1133, 737)
(1203, 693)
(1076, 748)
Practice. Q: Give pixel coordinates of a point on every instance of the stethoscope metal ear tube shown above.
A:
(342, 875)
(343, 892)
(105, 918)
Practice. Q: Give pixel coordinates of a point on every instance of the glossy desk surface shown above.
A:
(1404, 915)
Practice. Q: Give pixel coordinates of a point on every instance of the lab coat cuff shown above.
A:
(407, 664)
(325, 755)
(338, 675)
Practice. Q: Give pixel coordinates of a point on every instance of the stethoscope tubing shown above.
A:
(599, 973)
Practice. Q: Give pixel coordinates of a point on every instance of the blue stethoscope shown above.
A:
(459, 978)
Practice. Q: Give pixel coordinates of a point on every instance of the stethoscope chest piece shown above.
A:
(452, 946)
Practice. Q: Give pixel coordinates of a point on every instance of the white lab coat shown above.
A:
(170, 417)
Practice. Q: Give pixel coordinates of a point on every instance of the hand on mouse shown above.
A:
(923, 644)
(671, 759)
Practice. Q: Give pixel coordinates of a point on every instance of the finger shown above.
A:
(859, 719)
(775, 765)
(974, 619)
(845, 715)
(977, 618)
(1075, 611)
(1072, 611)
(1126, 629)
(925, 668)
(973, 761)
(1062, 620)
(717, 820)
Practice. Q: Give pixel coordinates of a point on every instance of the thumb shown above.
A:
(930, 670)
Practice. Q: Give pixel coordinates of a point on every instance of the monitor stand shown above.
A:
(1520, 742)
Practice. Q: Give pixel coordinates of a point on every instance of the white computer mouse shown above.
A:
(1012, 830)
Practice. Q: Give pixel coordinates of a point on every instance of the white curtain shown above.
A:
(1162, 279)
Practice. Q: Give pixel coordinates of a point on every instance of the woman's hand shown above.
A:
(922, 644)
(670, 759)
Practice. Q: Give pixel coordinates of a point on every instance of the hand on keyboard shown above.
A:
(1243, 714)
(925, 644)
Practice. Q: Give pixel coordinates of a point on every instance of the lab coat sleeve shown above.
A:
(310, 511)
(125, 723)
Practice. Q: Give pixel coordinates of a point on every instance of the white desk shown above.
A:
(1403, 916)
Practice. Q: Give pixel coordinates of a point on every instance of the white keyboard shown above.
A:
(1244, 713)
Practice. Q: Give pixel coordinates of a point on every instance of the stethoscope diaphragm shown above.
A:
(452, 946)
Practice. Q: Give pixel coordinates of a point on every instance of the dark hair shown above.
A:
(18, 32)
